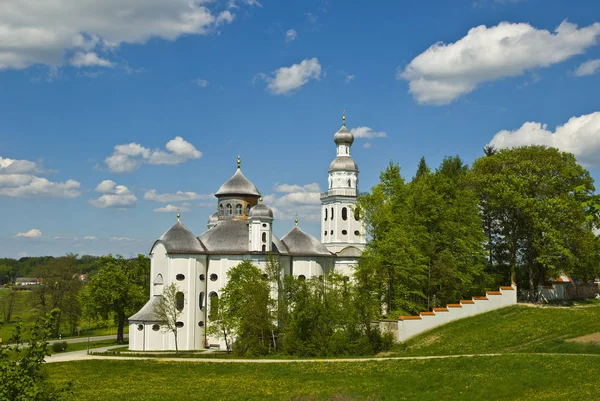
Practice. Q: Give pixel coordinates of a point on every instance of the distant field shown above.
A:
(508, 377)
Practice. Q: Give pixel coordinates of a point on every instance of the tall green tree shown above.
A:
(168, 310)
(118, 290)
(536, 225)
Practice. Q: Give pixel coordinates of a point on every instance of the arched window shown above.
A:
(247, 210)
(331, 213)
(238, 209)
(159, 279)
(229, 209)
(264, 237)
(213, 312)
(201, 301)
(302, 277)
(344, 213)
(349, 185)
(264, 248)
(325, 214)
(221, 209)
(179, 298)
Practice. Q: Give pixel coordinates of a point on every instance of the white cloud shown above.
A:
(443, 72)
(178, 196)
(286, 79)
(17, 179)
(89, 60)
(291, 35)
(90, 238)
(203, 83)
(349, 78)
(580, 136)
(114, 196)
(129, 157)
(366, 132)
(172, 209)
(588, 68)
(367, 145)
(33, 233)
(45, 32)
(302, 201)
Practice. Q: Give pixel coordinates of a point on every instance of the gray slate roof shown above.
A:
(300, 243)
(261, 210)
(238, 184)
(146, 314)
(343, 136)
(343, 163)
(231, 237)
(179, 240)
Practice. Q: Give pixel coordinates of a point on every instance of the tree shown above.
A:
(168, 310)
(7, 304)
(119, 289)
(22, 376)
(535, 222)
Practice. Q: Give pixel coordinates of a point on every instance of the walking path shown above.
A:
(82, 356)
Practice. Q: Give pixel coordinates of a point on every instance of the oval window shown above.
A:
(179, 325)
(325, 233)
(264, 237)
(331, 232)
(325, 214)
(155, 327)
(140, 327)
(356, 232)
(344, 232)
(200, 323)
(201, 300)
(264, 225)
(179, 300)
(180, 277)
(331, 213)
(302, 277)
(213, 277)
(344, 213)
(202, 277)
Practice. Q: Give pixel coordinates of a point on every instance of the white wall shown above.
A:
(410, 326)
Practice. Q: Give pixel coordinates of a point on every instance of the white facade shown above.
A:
(242, 229)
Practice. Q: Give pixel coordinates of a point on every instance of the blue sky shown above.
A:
(112, 110)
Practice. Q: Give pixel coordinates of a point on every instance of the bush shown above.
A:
(60, 346)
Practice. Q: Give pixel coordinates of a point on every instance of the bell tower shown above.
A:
(341, 224)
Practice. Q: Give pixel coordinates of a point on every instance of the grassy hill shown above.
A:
(549, 371)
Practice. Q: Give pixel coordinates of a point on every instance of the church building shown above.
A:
(242, 229)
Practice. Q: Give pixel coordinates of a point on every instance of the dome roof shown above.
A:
(180, 240)
(238, 184)
(261, 210)
(300, 243)
(343, 163)
(212, 220)
(230, 237)
(343, 136)
(147, 313)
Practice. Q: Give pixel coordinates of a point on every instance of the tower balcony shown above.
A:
(339, 192)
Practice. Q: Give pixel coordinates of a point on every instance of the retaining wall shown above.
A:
(410, 326)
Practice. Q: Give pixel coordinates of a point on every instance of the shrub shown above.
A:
(60, 346)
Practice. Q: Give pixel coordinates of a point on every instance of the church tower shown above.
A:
(341, 224)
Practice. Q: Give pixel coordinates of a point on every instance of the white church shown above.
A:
(242, 229)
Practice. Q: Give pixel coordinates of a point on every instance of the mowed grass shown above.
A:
(518, 328)
(506, 377)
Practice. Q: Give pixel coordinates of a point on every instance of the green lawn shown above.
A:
(508, 377)
(517, 328)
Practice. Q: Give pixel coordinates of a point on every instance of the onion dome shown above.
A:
(179, 240)
(213, 220)
(300, 243)
(343, 163)
(343, 136)
(238, 184)
(261, 211)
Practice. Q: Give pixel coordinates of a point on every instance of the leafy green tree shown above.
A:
(119, 289)
(168, 310)
(22, 376)
(7, 305)
(536, 225)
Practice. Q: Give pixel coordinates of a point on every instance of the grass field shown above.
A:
(529, 368)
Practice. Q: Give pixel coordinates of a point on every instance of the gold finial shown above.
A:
(296, 222)
(260, 200)
(178, 216)
(344, 117)
(239, 161)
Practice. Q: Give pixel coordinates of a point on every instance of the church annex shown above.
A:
(242, 229)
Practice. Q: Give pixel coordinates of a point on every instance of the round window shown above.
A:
(213, 277)
(179, 325)
(155, 327)
(140, 327)
(344, 232)
(201, 324)
(302, 277)
(202, 277)
(180, 277)
(357, 232)
(331, 232)
(264, 225)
